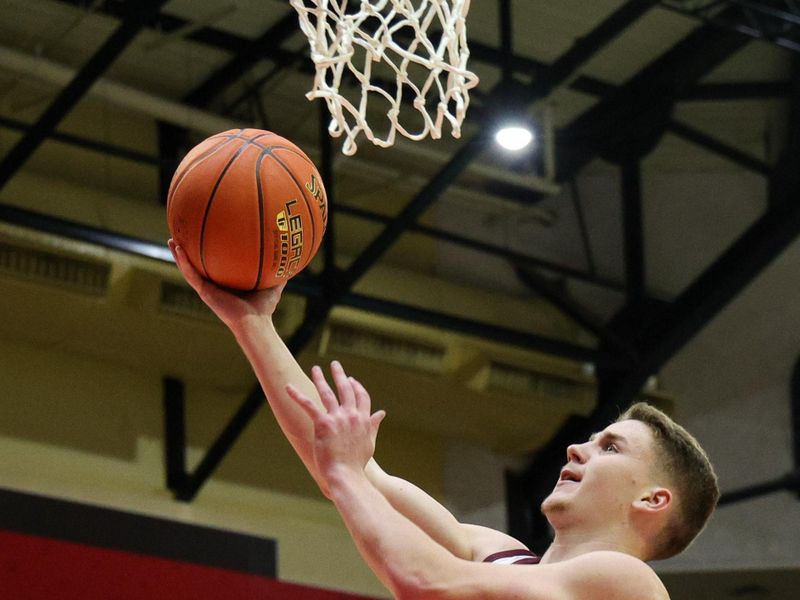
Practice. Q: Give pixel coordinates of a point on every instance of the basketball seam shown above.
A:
(261, 224)
(194, 163)
(294, 151)
(238, 153)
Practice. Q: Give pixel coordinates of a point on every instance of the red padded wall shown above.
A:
(39, 568)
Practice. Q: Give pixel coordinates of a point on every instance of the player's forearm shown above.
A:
(406, 560)
(423, 510)
(274, 366)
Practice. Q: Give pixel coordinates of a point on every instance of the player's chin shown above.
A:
(555, 501)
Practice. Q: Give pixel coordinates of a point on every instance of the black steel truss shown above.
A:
(777, 21)
(135, 16)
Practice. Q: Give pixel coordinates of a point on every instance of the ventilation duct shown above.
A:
(78, 275)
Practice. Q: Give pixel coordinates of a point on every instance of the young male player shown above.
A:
(640, 490)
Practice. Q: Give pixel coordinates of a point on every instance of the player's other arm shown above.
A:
(414, 567)
(409, 562)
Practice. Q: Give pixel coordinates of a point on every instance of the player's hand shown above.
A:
(345, 431)
(231, 306)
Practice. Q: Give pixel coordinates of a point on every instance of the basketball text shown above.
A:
(316, 190)
(291, 240)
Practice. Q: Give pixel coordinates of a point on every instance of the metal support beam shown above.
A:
(787, 483)
(223, 40)
(85, 143)
(632, 226)
(136, 16)
(795, 412)
(578, 313)
(253, 52)
(183, 484)
(638, 112)
(776, 22)
(712, 144)
(585, 47)
(174, 434)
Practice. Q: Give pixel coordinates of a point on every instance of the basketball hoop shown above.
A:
(393, 34)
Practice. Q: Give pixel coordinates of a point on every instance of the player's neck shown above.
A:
(574, 542)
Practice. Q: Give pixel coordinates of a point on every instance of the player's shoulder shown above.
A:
(485, 541)
(609, 574)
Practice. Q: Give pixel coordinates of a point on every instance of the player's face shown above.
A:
(604, 476)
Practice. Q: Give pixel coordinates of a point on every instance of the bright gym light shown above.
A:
(514, 138)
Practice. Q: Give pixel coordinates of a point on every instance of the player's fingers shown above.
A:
(192, 277)
(312, 410)
(326, 394)
(363, 401)
(347, 397)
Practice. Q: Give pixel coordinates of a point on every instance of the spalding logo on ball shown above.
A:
(248, 207)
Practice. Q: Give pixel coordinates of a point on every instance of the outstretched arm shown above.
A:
(249, 317)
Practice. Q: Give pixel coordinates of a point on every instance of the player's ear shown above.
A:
(654, 499)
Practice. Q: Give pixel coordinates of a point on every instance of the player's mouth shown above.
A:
(568, 476)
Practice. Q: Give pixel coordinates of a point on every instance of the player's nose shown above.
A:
(576, 453)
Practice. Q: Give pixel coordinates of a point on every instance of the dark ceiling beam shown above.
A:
(85, 143)
(223, 40)
(517, 258)
(304, 286)
(136, 17)
(635, 280)
(556, 295)
(775, 22)
(208, 36)
(738, 90)
(629, 113)
(485, 331)
(585, 47)
(695, 136)
(253, 52)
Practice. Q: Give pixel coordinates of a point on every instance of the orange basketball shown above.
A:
(248, 207)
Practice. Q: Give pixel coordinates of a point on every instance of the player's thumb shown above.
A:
(375, 422)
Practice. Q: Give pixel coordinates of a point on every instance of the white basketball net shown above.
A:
(336, 38)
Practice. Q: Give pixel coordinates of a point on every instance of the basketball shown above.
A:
(248, 207)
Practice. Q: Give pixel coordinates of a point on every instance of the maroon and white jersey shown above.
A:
(513, 557)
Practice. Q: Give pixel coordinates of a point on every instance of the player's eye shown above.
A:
(610, 447)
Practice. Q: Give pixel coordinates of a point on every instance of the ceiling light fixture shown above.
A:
(514, 137)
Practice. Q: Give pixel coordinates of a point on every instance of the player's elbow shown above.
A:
(421, 585)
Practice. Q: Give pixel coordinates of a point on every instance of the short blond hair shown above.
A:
(688, 470)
